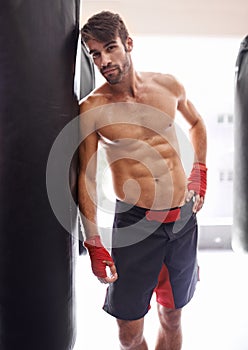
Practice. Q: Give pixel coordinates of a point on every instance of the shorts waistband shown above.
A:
(163, 216)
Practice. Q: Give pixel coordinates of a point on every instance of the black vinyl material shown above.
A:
(240, 216)
(87, 84)
(38, 43)
(87, 81)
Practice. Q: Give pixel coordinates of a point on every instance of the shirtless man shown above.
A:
(132, 115)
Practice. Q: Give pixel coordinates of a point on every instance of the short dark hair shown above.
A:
(104, 26)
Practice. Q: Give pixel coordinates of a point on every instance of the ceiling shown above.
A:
(177, 17)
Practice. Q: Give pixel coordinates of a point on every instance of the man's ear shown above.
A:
(129, 44)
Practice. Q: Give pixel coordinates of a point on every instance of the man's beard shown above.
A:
(118, 74)
(115, 77)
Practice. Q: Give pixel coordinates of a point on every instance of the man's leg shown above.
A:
(170, 332)
(131, 335)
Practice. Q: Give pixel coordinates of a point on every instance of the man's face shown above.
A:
(111, 58)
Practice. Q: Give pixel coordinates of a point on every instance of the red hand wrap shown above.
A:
(198, 179)
(98, 254)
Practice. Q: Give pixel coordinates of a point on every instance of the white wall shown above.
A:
(206, 67)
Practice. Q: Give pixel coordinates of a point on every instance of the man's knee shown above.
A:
(130, 333)
(169, 318)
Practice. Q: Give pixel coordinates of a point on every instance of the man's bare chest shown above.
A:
(138, 118)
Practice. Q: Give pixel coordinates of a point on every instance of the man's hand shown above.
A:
(198, 201)
(100, 260)
(197, 185)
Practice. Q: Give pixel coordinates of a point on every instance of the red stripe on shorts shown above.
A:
(164, 290)
(163, 216)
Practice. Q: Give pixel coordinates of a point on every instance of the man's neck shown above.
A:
(128, 87)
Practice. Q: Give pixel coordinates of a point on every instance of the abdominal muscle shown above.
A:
(149, 177)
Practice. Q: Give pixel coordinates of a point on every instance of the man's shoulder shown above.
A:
(162, 78)
(96, 98)
(168, 81)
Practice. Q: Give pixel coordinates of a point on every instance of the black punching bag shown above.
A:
(86, 84)
(38, 42)
(240, 208)
(87, 81)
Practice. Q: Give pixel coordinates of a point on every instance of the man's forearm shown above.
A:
(88, 207)
(198, 137)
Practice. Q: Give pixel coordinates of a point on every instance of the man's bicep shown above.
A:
(184, 105)
(188, 111)
(88, 155)
(87, 178)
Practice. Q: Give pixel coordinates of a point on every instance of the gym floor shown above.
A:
(216, 318)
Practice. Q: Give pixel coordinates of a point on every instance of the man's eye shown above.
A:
(95, 55)
(110, 48)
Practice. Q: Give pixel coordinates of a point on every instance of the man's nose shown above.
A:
(105, 60)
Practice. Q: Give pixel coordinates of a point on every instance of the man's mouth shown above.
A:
(109, 70)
